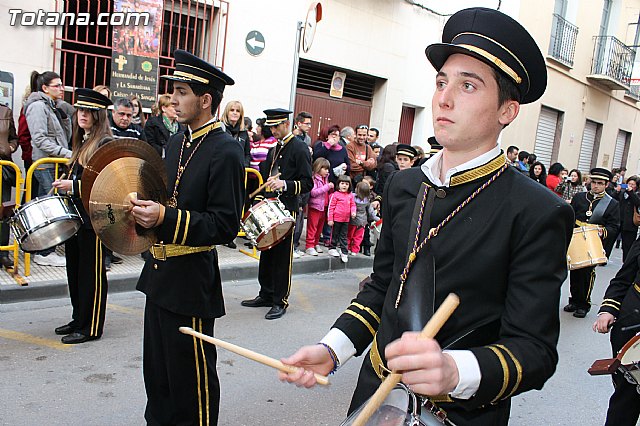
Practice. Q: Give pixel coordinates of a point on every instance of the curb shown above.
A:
(229, 273)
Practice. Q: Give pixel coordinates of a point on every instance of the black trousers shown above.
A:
(624, 404)
(628, 237)
(87, 280)
(339, 236)
(581, 284)
(179, 370)
(274, 272)
(4, 226)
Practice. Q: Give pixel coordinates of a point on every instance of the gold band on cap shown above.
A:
(275, 121)
(601, 177)
(191, 76)
(81, 104)
(496, 61)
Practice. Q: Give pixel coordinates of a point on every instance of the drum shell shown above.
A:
(586, 248)
(401, 407)
(267, 223)
(629, 357)
(45, 222)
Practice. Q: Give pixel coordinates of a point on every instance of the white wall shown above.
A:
(382, 38)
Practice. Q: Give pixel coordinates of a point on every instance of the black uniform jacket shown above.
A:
(503, 254)
(210, 198)
(623, 293)
(293, 161)
(610, 220)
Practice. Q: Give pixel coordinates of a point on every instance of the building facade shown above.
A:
(588, 116)
(373, 52)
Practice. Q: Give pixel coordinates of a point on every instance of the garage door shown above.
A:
(618, 153)
(546, 135)
(587, 146)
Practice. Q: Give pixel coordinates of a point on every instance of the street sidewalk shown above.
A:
(51, 282)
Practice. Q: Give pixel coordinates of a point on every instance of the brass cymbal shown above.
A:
(118, 148)
(119, 182)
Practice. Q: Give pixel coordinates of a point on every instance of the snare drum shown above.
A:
(45, 222)
(585, 248)
(267, 223)
(402, 407)
(629, 357)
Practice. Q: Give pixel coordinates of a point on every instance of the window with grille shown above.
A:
(82, 54)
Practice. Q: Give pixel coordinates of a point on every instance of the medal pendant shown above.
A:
(188, 144)
(588, 213)
(173, 203)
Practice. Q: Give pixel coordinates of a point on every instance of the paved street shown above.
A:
(100, 383)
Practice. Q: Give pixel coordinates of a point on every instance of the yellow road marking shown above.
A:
(35, 340)
(124, 309)
(303, 302)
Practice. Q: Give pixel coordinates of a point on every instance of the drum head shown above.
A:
(630, 353)
(274, 235)
(392, 412)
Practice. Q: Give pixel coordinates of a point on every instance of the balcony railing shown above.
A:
(612, 63)
(633, 93)
(562, 46)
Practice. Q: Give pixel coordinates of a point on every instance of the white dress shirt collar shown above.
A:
(432, 167)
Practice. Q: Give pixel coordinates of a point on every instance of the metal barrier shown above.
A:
(23, 186)
(27, 191)
(241, 233)
(12, 247)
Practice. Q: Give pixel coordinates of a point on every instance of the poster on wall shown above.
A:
(136, 47)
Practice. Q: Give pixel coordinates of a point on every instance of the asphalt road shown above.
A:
(100, 383)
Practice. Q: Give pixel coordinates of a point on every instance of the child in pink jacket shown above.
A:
(342, 207)
(317, 206)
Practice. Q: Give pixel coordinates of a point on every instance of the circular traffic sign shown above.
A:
(254, 43)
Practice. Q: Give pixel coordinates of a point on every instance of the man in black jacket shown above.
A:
(287, 172)
(621, 309)
(449, 226)
(121, 121)
(592, 207)
(181, 278)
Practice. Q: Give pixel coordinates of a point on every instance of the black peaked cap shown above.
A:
(498, 40)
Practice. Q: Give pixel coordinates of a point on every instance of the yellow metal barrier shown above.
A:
(241, 233)
(27, 190)
(13, 247)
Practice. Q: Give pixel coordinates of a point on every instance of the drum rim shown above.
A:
(627, 345)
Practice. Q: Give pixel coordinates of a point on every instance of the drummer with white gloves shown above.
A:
(594, 207)
(620, 308)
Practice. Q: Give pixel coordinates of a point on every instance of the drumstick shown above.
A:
(52, 188)
(261, 187)
(428, 332)
(254, 356)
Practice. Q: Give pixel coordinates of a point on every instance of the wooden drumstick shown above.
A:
(261, 187)
(254, 356)
(428, 332)
(62, 176)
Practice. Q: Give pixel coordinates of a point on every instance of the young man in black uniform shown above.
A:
(181, 279)
(490, 235)
(291, 158)
(620, 309)
(592, 207)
